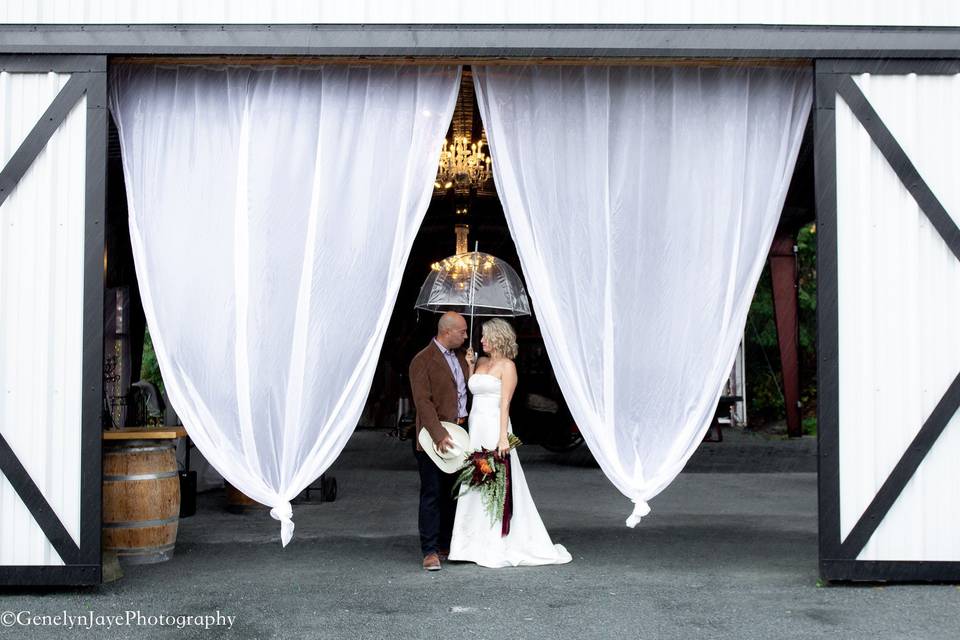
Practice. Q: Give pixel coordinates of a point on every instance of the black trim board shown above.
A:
(37, 504)
(889, 571)
(40, 134)
(93, 287)
(76, 574)
(507, 40)
(828, 374)
(947, 66)
(48, 63)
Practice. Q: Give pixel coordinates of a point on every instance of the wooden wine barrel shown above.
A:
(239, 502)
(141, 500)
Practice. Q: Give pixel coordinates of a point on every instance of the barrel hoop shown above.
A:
(140, 448)
(165, 547)
(142, 476)
(139, 524)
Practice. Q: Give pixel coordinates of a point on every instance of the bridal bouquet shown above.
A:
(489, 473)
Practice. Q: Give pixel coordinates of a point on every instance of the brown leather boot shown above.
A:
(444, 554)
(431, 562)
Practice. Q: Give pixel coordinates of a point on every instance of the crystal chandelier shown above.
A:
(463, 164)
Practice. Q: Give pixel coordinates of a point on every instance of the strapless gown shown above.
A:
(474, 538)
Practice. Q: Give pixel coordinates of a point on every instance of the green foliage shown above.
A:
(149, 369)
(483, 472)
(765, 401)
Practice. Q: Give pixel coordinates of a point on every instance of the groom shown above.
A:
(438, 380)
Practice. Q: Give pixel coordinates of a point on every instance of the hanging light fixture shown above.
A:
(463, 164)
(462, 231)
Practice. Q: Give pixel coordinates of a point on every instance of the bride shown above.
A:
(492, 381)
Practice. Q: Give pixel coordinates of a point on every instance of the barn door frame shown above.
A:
(838, 558)
(88, 77)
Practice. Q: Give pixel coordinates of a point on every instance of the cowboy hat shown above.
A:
(453, 458)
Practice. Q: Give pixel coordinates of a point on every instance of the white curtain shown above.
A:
(271, 214)
(642, 201)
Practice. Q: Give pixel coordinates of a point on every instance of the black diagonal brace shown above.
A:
(38, 137)
(902, 472)
(900, 163)
(38, 506)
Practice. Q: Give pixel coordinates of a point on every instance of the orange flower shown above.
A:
(485, 467)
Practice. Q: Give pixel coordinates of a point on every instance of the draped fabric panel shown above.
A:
(643, 201)
(272, 211)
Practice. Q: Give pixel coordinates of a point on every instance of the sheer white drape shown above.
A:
(642, 201)
(271, 214)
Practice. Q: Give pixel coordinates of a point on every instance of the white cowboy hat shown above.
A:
(453, 458)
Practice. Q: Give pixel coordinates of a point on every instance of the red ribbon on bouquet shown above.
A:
(507, 499)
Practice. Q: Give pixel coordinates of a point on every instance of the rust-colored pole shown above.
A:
(783, 271)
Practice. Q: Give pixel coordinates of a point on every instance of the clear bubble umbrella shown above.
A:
(474, 284)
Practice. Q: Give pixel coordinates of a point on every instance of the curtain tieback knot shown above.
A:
(640, 509)
(283, 512)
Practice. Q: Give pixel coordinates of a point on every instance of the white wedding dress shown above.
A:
(475, 539)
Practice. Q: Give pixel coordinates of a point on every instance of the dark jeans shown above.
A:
(437, 505)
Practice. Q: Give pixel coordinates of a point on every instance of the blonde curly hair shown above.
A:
(501, 337)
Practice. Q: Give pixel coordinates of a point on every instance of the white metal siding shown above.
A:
(41, 298)
(899, 313)
(787, 12)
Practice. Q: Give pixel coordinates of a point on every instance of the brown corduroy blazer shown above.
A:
(434, 390)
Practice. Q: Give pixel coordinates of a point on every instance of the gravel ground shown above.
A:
(728, 554)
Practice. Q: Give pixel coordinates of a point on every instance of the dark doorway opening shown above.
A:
(540, 415)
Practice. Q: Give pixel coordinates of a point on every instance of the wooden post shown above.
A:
(783, 271)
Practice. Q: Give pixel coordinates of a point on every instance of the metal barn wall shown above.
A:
(898, 315)
(672, 12)
(41, 305)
